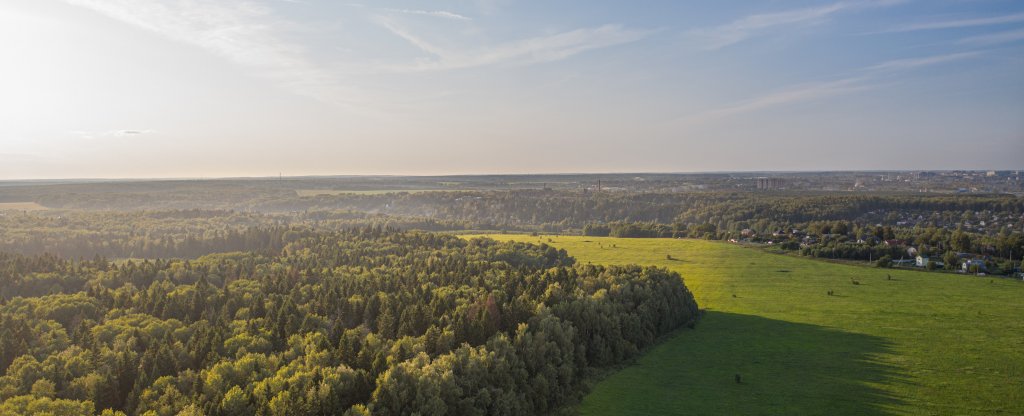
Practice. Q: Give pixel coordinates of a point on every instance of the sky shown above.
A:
(194, 88)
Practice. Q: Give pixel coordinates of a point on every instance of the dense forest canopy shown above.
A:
(360, 321)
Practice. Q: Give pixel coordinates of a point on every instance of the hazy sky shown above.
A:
(186, 88)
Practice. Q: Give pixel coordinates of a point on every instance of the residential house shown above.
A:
(969, 264)
(922, 261)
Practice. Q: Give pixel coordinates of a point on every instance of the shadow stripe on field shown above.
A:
(785, 369)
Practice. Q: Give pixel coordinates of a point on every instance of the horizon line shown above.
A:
(386, 175)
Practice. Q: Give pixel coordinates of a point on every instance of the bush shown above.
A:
(885, 261)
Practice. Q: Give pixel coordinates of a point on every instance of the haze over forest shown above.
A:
(174, 88)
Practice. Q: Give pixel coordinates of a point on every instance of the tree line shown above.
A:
(720, 215)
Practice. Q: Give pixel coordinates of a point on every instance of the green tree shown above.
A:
(951, 261)
(960, 241)
(235, 403)
(884, 261)
(44, 388)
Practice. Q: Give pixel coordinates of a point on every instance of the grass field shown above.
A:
(920, 343)
(21, 206)
(315, 192)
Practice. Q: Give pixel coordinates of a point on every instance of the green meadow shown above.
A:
(897, 342)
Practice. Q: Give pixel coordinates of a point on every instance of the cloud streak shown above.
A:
(239, 31)
(790, 95)
(912, 63)
(91, 135)
(746, 27)
(522, 52)
(994, 38)
(433, 13)
(132, 132)
(818, 90)
(956, 24)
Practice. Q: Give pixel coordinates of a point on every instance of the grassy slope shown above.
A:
(921, 343)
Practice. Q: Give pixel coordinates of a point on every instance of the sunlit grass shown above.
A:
(920, 343)
(21, 206)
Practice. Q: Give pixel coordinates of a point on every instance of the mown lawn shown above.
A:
(920, 343)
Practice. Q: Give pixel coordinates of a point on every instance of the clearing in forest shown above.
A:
(899, 342)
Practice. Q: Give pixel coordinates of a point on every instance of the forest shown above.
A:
(187, 220)
(137, 223)
(366, 320)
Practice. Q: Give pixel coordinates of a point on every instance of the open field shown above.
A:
(21, 206)
(315, 192)
(920, 343)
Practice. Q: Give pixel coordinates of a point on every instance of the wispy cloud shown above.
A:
(868, 79)
(961, 23)
(994, 38)
(742, 29)
(790, 95)
(912, 63)
(132, 132)
(527, 51)
(444, 14)
(238, 30)
(414, 40)
(90, 135)
(434, 13)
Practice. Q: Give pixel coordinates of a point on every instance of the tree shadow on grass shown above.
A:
(786, 369)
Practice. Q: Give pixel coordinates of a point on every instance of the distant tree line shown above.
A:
(536, 209)
(178, 233)
(849, 226)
